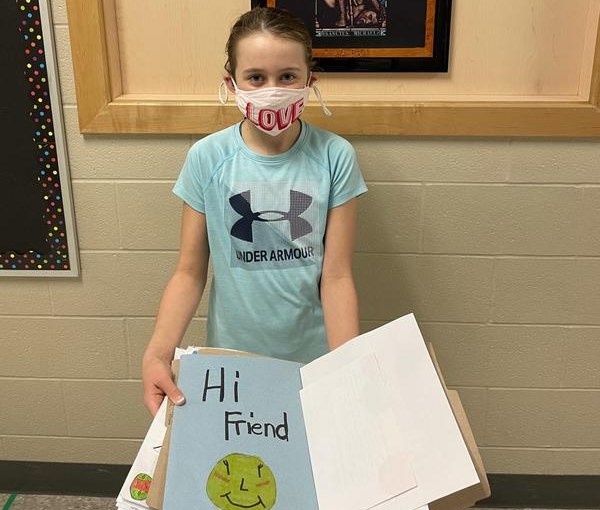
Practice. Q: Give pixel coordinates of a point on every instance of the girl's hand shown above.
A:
(158, 382)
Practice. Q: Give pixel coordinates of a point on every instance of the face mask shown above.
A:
(271, 109)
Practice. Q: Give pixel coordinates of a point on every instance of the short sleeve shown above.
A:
(188, 186)
(346, 178)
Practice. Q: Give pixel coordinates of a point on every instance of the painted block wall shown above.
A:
(494, 244)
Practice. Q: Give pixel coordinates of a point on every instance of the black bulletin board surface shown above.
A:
(37, 236)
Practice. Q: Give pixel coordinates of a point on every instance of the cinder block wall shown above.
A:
(494, 244)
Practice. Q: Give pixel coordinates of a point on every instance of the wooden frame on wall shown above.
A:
(102, 109)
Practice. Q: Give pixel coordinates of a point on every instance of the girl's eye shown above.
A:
(255, 78)
(288, 77)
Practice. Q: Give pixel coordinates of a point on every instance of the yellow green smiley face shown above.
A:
(241, 481)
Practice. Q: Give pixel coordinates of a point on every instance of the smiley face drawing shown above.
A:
(241, 481)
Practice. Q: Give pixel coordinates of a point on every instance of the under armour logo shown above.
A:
(242, 229)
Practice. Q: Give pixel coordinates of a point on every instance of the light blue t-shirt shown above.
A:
(266, 219)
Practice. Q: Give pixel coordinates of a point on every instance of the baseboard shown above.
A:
(19, 477)
(543, 491)
(508, 491)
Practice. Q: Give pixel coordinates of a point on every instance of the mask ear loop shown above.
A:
(223, 98)
(326, 110)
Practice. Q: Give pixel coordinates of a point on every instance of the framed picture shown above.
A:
(36, 214)
(375, 35)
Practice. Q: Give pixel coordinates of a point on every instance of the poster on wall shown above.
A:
(375, 35)
(37, 234)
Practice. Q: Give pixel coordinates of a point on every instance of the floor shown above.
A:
(38, 502)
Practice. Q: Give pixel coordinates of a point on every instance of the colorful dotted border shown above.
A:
(48, 176)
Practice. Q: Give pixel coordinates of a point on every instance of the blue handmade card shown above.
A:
(239, 442)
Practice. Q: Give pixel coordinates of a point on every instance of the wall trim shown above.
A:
(24, 477)
(508, 490)
(543, 491)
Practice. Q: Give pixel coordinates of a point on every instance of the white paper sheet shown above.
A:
(439, 456)
(357, 455)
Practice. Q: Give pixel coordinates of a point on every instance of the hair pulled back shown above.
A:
(277, 22)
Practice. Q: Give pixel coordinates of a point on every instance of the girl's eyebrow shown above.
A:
(258, 70)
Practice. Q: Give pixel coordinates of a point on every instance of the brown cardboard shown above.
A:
(157, 487)
(458, 501)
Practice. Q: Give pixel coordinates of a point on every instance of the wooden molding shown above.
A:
(102, 109)
(595, 85)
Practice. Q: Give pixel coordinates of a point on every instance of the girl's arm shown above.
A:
(177, 307)
(338, 295)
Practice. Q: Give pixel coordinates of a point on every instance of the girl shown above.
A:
(272, 200)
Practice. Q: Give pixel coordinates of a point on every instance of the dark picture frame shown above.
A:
(375, 35)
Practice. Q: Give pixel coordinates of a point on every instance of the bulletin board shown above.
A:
(36, 216)
(516, 68)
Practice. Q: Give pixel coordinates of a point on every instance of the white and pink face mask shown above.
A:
(272, 109)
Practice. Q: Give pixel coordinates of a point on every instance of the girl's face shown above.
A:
(265, 60)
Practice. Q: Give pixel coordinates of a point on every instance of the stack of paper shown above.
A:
(135, 490)
(365, 426)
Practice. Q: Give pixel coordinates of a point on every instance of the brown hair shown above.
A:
(277, 22)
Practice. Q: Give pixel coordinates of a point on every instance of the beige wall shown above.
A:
(494, 244)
